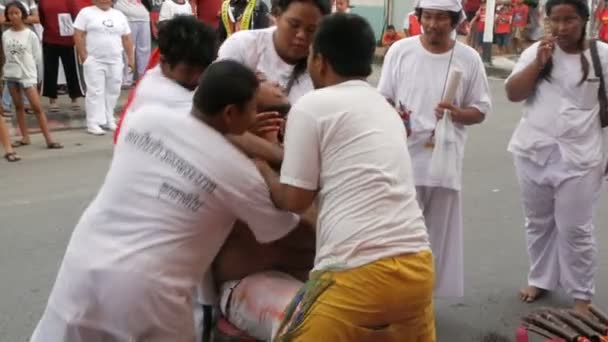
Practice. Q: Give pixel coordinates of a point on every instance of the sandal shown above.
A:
(54, 146)
(19, 143)
(12, 157)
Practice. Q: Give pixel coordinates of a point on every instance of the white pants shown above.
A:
(142, 42)
(558, 207)
(103, 89)
(443, 216)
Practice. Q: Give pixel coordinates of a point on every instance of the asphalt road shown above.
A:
(42, 197)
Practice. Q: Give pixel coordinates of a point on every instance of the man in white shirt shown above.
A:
(168, 203)
(139, 22)
(345, 145)
(414, 77)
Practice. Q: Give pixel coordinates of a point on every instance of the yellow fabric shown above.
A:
(389, 300)
(243, 24)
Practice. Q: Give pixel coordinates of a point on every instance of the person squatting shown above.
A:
(269, 181)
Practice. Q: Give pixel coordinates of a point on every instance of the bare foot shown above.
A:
(531, 293)
(582, 307)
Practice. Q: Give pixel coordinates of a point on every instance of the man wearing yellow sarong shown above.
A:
(346, 146)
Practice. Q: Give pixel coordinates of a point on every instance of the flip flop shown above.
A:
(54, 146)
(19, 143)
(12, 157)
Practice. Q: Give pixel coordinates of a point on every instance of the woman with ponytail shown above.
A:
(558, 154)
(279, 53)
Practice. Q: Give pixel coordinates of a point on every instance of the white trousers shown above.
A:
(142, 42)
(558, 206)
(103, 89)
(442, 212)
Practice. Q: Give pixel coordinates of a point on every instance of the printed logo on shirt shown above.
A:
(109, 23)
(157, 149)
(173, 194)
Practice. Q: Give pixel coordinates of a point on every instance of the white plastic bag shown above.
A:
(444, 161)
(258, 302)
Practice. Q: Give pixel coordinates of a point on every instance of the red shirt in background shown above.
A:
(602, 17)
(389, 38)
(49, 10)
(520, 15)
(481, 20)
(472, 5)
(415, 28)
(503, 22)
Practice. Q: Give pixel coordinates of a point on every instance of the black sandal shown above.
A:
(54, 146)
(12, 157)
(19, 143)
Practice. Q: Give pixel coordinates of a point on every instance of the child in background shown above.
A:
(519, 22)
(478, 24)
(23, 55)
(390, 36)
(503, 27)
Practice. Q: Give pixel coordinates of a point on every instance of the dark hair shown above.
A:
(390, 27)
(225, 83)
(184, 39)
(20, 6)
(300, 68)
(348, 43)
(583, 11)
(454, 16)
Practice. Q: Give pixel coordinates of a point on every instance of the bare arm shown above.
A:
(285, 196)
(33, 18)
(464, 116)
(257, 147)
(127, 45)
(79, 41)
(522, 85)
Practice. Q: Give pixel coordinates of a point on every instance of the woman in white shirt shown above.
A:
(101, 34)
(279, 53)
(558, 153)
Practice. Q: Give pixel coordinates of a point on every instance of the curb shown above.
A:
(497, 72)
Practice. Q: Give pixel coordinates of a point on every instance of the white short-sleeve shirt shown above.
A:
(104, 31)
(348, 143)
(255, 48)
(562, 113)
(174, 189)
(415, 78)
(170, 9)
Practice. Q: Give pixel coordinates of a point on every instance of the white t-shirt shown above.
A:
(174, 189)
(171, 9)
(415, 77)
(104, 31)
(255, 48)
(134, 10)
(23, 55)
(347, 142)
(562, 113)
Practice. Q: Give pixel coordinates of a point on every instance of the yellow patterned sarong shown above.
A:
(388, 300)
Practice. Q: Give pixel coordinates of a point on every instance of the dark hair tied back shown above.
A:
(583, 11)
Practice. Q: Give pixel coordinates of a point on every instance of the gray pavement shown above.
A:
(42, 197)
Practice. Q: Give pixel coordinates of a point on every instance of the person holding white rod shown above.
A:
(101, 34)
(414, 78)
(558, 152)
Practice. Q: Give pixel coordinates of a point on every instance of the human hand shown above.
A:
(446, 106)
(266, 122)
(545, 51)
